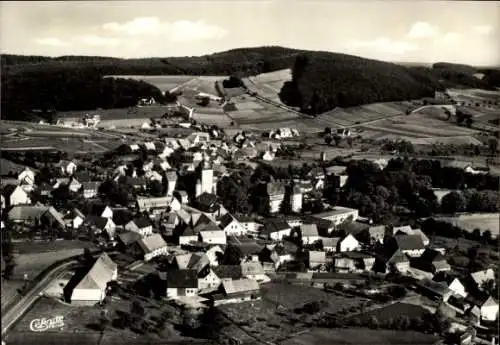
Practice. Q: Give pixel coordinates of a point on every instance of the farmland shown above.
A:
(483, 222)
(275, 316)
(393, 311)
(356, 336)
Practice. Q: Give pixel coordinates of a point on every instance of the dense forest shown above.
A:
(320, 82)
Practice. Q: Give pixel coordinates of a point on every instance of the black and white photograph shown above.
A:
(260, 172)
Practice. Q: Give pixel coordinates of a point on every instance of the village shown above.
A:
(161, 221)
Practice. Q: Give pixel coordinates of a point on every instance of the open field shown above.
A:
(393, 311)
(269, 85)
(163, 82)
(358, 336)
(483, 222)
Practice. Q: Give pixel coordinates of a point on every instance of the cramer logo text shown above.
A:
(41, 325)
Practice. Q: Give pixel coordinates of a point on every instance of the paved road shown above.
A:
(12, 315)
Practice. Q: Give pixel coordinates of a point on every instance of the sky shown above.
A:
(398, 30)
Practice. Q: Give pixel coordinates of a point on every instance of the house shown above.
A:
(412, 245)
(207, 202)
(231, 226)
(362, 261)
(376, 234)
(153, 205)
(102, 211)
(477, 279)
(209, 281)
(348, 244)
(228, 272)
(453, 283)
(316, 260)
(213, 254)
(254, 270)
(187, 235)
(343, 264)
(409, 231)
(249, 224)
(30, 215)
(330, 244)
(153, 246)
(309, 233)
(74, 219)
(431, 261)
(276, 194)
(126, 239)
(276, 229)
(90, 189)
(238, 290)
(336, 177)
(182, 283)
(434, 290)
(339, 215)
(142, 226)
(396, 261)
(74, 185)
(92, 288)
(14, 195)
(296, 199)
(489, 309)
(268, 156)
(102, 225)
(213, 237)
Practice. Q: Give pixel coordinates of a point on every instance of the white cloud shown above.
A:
(423, 30)
(482, 29)
(450, 37)
(51, 41)
(178, 31)
(386, 45)
(92, 40)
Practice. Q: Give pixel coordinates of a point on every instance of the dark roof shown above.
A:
(182, 279)
(431, 255)
(409, 242)
(225, 220)
(188, 231)
(228, 271)
(8, 190)
(142, 222)
(249, 248)
(129, 237)
(207, 201)
(276, 224)
(99, 222)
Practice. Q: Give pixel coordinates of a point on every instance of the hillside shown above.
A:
(328, 80)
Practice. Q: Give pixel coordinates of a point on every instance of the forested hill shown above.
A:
(321, 81)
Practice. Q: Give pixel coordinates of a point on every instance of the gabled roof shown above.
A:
(205, 234)
(151, 243)
(317, 256)
(228, 271)
(188, 231)
(129, 237)
(97, 221)
(480, 277)
(74, 213)
(99, 275)
(239, 285)
(251, 268)
(145, 204)
(309, 230)
(207, 200)
(225, 220)
(377, 231)
(397, 257)
(409, 242)
(192, 261)
(142, 222)
(275, 225)
(330, 242)
(182, 279)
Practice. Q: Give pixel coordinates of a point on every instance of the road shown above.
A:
(18, 310)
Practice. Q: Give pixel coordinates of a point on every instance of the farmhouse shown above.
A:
(231, 226)
(14, 195)
(348, 243)
(237, 291)
(182, 283)
(412, 245)
(276, 229)
(92, 288)
(142, 226)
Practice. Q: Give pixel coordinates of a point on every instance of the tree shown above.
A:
(453, 202)
(337, 139)
(328, 139)
(155, 188)
(232, 255)
(327, 131)
(493, 145)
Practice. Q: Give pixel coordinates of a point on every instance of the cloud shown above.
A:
(450, 37)
(51, 41)
(482, 29)
(386, 45)
(178, 31)
(423, 30)
(92, 40)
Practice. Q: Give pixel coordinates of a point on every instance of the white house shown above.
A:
(348, 244)
(74, 185)
(182, 283)
(457, 287)
(268, 156)
(309, 233)
(489, 310)
(330, 244)
(74, 219)
(142, 226)
(231, 226)
(249, 224)
(102, 224)
(480, 277)
(15, 195)
(213, 237)
(339, 214)
(209, 282)
(92, 288)
(276, 230)
(103, 211)
(153, 246)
